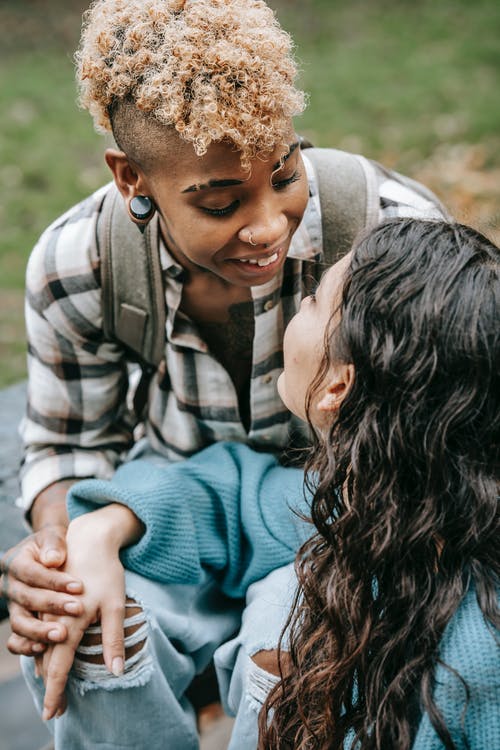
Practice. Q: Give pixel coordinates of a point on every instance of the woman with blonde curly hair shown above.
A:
(200, 98)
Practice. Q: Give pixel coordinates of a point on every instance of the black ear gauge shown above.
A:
(141, 207)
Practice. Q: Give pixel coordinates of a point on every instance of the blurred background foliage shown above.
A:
(412, 84)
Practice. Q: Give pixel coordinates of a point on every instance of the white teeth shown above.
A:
(267, 261)
(261, 262)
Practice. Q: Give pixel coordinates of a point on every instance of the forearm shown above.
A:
(49, 507)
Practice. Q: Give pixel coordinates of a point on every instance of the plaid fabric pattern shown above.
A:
(77, 422)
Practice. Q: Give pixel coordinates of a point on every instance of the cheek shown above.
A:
(200, 237)
(192, 240)
(301, 198)
(290, 392)
(293, 381)
(280, 385)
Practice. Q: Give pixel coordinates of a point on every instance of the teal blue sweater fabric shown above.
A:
(471, 647)
(228, 509)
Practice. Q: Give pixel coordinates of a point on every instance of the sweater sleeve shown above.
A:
(228, 509)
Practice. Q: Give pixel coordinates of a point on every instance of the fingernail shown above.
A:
(45, 714)
(52, 555)
(74, 587)
(37, 648)
(117, 666)
(54, 635)
(72, 608)
(59, 712)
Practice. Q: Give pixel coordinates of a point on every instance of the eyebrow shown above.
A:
(212, 184)
(230, 182)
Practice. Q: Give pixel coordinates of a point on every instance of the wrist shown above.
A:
(114, 525)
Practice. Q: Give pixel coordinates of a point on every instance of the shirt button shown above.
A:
(267, 378)
(268, 305)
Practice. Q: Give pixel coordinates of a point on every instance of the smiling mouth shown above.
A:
(261, 262)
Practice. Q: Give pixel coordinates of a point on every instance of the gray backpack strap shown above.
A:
(348, 194)
(133, 297)
(415, 187)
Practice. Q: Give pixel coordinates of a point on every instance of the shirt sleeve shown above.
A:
(76, 423)
(401, 196)
(228, 509)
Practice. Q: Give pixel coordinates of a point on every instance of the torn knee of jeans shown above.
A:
(89, 659)
(268, 661)
(263, 674)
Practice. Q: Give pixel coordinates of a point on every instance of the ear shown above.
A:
(128, 178)
(340, 381)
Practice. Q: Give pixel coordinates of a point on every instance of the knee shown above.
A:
(266, 669)
(273, 661)
(90, 650)
(268, 661)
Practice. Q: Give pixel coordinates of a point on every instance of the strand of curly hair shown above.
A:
(210, 69)
(415, 450)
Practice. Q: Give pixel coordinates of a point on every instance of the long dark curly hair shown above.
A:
(405, 486)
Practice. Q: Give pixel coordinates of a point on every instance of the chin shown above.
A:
(283, 395)
(280, 385)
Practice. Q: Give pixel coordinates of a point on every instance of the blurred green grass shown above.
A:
(413, 84)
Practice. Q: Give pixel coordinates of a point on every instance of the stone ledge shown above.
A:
(12, 405)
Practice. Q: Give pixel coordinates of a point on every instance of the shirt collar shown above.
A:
(171, 267)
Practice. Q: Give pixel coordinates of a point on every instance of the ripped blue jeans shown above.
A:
(181, 628)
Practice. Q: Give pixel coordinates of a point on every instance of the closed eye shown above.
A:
(231, 207)
(224, 211)
(288, 181)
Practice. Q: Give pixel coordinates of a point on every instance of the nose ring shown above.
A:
(250, 239)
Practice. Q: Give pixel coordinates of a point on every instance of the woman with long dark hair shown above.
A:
(393, 642)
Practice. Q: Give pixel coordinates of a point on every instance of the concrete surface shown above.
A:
(20, 726)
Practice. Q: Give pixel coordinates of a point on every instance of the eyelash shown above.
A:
(234, 205)
(289, 180)
(221, 211)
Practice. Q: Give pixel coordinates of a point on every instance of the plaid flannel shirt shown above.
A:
(78, 423)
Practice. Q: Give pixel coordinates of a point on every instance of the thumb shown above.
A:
(52, 543)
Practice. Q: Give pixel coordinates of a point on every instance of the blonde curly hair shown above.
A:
(212, 69)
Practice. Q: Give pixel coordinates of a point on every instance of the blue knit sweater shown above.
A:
(471, 648)
(228, 510)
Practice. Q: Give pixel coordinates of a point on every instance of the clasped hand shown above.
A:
(91, 569)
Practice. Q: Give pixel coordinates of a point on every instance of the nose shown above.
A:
(266, 227)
